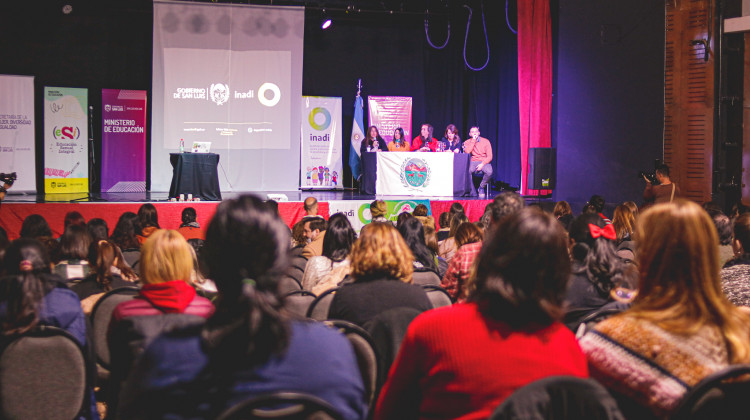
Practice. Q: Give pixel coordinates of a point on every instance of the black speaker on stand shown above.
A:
(542, 168)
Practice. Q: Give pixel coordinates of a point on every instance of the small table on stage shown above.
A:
(459, 180)
(196, 174)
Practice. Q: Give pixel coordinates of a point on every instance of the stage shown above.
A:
(109, 206)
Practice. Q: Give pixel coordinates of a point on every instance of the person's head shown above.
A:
(412, 231)
(741, 243)
(522, 271)
(505, 204)
(148, 217)
(486, 219)
(273, 205)
(103, 255)
(372, 133)
(426, 131)
(426, 221)
(420, 210)
(444, 220)
(431, 239)
(124, 234)
(597, 201)
(398, 135)
(378, 208)
(26, 255)
(623, 222)
(244, 253)
(451, 133)
(166, 256)
(593, 249)
(662, 173)
(339, 238)
(74, 243)
(98, 229)
(680, 287)
(298, 233)
(456, 208)
(468, 233)
(562, 208)
(474, 132)
(311, 206)
(723, 228)
(402, 218)
(189, 215)
(22, 288)
(457, 221)
(35, 226)
(4, 242)
(380, 253)
(632, 206)
(314, 226)
(74, 218)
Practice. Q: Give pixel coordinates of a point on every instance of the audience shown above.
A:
(445, 226)
(735, 276)
(311, 207)
(190, 229)
(148, 220)
(447, 248)
(468, 242)
(381, 266)
(505, 204)
(420, 210)
(563, 213)
(724, 230)
(624, 223)
(299, 239)
(463, 361)
(98, 229)
(35, 226)
(430, 239)
(73, 262)
(109, 271)
(597, 203)
(378, 210)
(247, 347)
(412, 231)
(327, 270)
(126, 238)
(680, 328)
(315, 231)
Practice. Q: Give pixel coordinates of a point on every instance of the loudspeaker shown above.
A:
(542, 168)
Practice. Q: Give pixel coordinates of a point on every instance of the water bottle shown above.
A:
(182, 146)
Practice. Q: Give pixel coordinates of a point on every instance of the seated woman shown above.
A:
(337, 243)
(148, 221)
(31, 295)
(462, 361)
(109, 272)
(125, 237)
(382, 267)
(373, 142)
(451, 141)
(425, 260)
(680, 327)
(399, 143)
(73, 264)
(247, 347)
(447, 247)
(468, 242)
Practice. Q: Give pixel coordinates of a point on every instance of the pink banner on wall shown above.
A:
(123, 140)
(388, 113)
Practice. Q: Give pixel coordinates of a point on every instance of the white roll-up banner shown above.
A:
(17, 149)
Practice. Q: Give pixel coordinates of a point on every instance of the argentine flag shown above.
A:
(358, 134)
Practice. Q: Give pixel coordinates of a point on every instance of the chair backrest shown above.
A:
(296, 302)
(423, 278)
(559, 397)
(438, 296)
(716, 398)
(288, 284)
(282, 405)
(364, 349)
(101, 315)
(43, 376)
(387, 330)
(319, 308)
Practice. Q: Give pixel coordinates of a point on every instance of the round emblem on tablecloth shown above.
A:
(415, 173)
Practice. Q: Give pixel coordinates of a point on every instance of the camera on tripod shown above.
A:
(8, 178)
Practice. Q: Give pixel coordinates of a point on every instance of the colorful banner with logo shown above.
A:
(123, 140)
(417, 174)
(322, 164)
(17, 150)
(388, 113)
(66, 165)
(358, 212)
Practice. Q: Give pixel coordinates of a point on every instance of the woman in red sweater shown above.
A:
(461, 362)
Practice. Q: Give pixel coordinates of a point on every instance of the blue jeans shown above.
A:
(486, 174)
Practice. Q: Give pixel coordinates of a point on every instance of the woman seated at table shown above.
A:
(373, 142)
(424, 142)
(399, 143)
(451, 141)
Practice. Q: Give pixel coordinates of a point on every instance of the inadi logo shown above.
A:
(66, 133)
(319, 118)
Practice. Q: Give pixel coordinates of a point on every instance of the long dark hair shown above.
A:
(148, 216)
(401, 132)
(377, 136)
(522, 270)
(103, 255)
(75, 243)
(412, 231)
(596, 258)
(339, 238)
(124, 233)
(35, 226)
(22, 287)
(245, 250)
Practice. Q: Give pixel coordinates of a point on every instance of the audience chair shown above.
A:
(580, 326)
(559, 398)
(43, 376)
(101, 315)
(367, 357)
(387, 330)
(282, 405)
(319, 308)
(438, 296)
(296, 302)
(722, 395)
(288, 284)
(424, 278)
(296, 268)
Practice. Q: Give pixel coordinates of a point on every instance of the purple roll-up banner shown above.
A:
(123, 140)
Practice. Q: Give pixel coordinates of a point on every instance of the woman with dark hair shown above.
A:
(596, 269)
(510, 318)
(373, 142)
(412, 231)
(248, 347)
(109, 271)
(125, 236)
(451, 141)
(31, 295)
(680, 328)
(74, 251)
(149, 222)
(190, 228)
(35, 226)
(468, 241)
(424, 142)
(399, 143)
(74, 218)
(337, 243)
(448, 247)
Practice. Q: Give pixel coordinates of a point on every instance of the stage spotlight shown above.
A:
(325, 21)
(67, 9)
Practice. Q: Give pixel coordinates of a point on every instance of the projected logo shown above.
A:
(66, 133)
(219, 93)
(269, 94)
(415, 173)
(318, 114)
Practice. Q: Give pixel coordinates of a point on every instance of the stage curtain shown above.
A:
(534, 81)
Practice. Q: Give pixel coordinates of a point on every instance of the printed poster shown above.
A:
(123, 140)
(358, 211)
(17, 150)
(321, 143)
(388, 113)
(66, 140)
